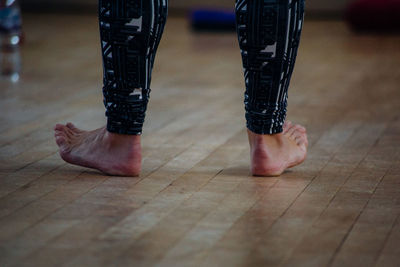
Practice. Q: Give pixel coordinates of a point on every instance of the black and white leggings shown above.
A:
(130, 30)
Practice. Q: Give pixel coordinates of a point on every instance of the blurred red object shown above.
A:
(374, 15)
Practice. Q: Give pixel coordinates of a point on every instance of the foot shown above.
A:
(113, 154)
(271, 155)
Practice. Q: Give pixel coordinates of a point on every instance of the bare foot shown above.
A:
(113, 154)
(271, 155)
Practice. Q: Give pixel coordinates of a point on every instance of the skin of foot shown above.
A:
(271, 155)
(110, 153)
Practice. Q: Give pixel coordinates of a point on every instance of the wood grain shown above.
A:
(195, 203)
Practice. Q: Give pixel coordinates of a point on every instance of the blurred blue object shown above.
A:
(10, 16)
(10, 40)
(212, 20)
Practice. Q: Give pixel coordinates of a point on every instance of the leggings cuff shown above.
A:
(124, 127)
(265, 129)
(125, 117)
(267, 121)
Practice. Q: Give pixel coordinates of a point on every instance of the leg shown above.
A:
(130, 32)
(269, 33)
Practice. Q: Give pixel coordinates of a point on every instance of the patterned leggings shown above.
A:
(130, 31)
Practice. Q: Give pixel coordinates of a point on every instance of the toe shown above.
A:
(301, 139)
(73, 128)
(59, 127)
(297, 133)
(59, 133)
(287, 126)
(71, 125)
(301, 128)
(63, 128)
(290, 132)
(67, 131)
(305, 140)
(61, 141)
(64, 135)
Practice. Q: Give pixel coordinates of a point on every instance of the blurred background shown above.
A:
(377, 16)
(316, 7)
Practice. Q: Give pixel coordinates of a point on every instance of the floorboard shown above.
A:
(195, 203)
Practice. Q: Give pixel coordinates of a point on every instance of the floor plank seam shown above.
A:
(331, 261)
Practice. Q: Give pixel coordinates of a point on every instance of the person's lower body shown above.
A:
(268, 33)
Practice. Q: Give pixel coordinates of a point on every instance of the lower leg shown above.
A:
(130, 34)
(269, 34)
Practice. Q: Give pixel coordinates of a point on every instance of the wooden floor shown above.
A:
(195, 203)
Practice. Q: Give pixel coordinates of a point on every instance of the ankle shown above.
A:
(133, 141)
(265, 139)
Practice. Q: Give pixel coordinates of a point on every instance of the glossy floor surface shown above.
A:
(195, 203)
